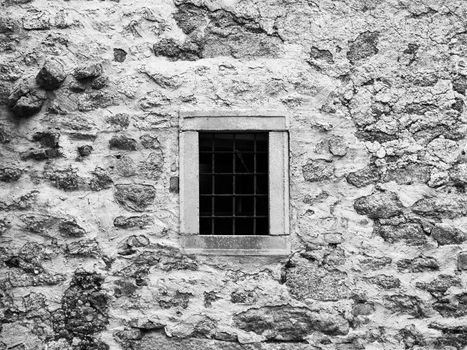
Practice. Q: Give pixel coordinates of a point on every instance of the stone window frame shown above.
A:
(277, 126)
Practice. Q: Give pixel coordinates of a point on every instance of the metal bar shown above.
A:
(237, 216)
(233, 189)
(252, 173)
(235, 195)
(227, 152)
(254, 184)
(213, 178)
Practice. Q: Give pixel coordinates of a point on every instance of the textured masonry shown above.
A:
(91, 94)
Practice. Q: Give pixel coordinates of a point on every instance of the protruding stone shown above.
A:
(241, 296)
(337, 146)
(5, 225)
(135, 197)
(321, 55)
(141, 221)
(409, 233)
(286, 323)
(152, 166)
(100, 180)
(418, 264)
(100, 82)
(150, 142)
(446, 234)
(459, 83)
(177, 299)
(458, 174)
(174, 50)
(47, 138)
(84, 248)
(364, 46)
(10, 174)
(51, 75)
(306, 279)
(318, 170)
(375, 263)
(69, 228)
(85, 150)
(26, 98)
(385, 281)
(452, 305)
(84, 310)
(122, 142)
(91, 71)
(119, 120)
(119, 55)
(440, 285)
(40, 154)
(379, 205)
(65, 179)
(462, 261)
(444, 205)
(408, 304)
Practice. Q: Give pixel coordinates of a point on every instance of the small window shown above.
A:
(233, 183)
(234, 195)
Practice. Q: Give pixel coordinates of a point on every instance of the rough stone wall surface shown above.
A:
(90, 94)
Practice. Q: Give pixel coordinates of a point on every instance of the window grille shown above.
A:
(233, 187)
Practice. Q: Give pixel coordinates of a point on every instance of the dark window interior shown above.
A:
(233, 191)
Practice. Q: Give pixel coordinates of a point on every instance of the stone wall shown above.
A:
(90, 94)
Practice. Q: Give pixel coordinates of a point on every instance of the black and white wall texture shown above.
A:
(91, 96)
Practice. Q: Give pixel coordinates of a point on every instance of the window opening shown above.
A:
(233, 188)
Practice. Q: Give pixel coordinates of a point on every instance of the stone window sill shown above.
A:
(236, 245)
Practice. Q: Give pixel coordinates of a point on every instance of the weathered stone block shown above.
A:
(286, 323)
(122, 142)
(100, 180)
(306, 279)
(364, 177)
(174, 50)
(462, 261)
(127, 222)
(51, 75)
(385, 281)
(410, 233)
(375, 262)
(150, 142)
(364, 46)
(337, 146)
(5, 225)
(85, 150)
(135, 197)
(458, 173)
(408, 304)
(119, 55)
(452, 306)
(120, 120)
(318, 170)
(65, 179)
(154, 340)
(69, 228)
(418, 264)
(40, 154)
(26, 99)
(10, 174)
(379, 205)
(84, 310)
(90, 71)
(446, 234)
(83, 248)
(439, 285)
